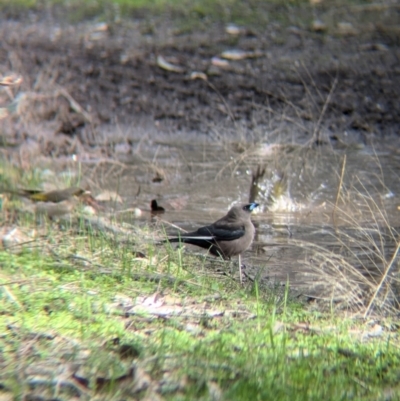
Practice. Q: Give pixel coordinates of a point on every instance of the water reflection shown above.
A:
(201, 180)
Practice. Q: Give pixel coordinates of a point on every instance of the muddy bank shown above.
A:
(341, 78)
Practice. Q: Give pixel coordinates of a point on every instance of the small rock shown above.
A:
(346, 28)
(318, 26)
(233, 29)
(123, 148)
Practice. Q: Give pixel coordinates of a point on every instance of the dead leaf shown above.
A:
(108, 196)
(236, 54)
(198, 75)
(152, 300)
(11, 80)
(219, 62)
(165, 65)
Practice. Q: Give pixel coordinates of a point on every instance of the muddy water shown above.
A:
(197, 180)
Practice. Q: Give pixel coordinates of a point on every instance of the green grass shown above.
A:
(62, 303)
(193, 15)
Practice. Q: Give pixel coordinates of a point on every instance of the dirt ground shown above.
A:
(308, 75)
(336, 77)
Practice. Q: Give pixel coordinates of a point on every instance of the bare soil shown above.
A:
(342, 77)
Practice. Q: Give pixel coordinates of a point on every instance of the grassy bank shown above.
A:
(81, 317)
(93, 309)
(196, 14)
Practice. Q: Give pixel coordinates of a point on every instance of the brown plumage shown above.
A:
(229, 236)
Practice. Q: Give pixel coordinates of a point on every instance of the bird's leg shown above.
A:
(240, 270)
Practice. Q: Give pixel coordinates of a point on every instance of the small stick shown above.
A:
(75, 105)
(172, 225)
(315, 134)
(382, 280)
(339, 189)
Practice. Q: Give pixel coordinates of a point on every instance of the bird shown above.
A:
(229, 236)
(52, 203)
(56, 196)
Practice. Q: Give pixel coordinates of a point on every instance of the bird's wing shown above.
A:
(221, 232)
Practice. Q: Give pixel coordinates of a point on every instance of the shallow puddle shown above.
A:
(197, 180)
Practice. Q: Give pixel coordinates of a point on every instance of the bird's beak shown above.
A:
(253, 206)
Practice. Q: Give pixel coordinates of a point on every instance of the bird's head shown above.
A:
(241, 211)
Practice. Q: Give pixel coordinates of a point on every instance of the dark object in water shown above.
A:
(155, 209)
